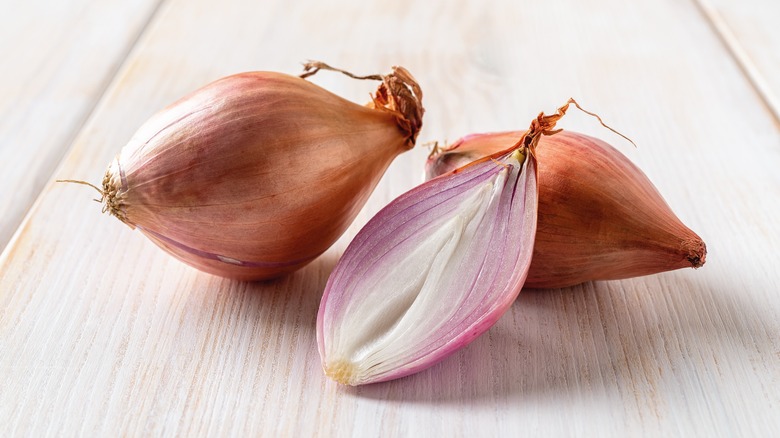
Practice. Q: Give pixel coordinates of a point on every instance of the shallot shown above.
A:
(256, 174)
(600, 217)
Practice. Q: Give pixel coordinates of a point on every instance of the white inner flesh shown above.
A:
(424, 284)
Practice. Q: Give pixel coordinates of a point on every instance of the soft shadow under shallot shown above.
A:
(589, 340)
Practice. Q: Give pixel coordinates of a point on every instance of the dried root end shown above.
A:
(113, 200)
(342, 372)
(109, 197)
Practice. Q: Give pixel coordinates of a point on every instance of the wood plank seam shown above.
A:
(735, 49)
(69, 140)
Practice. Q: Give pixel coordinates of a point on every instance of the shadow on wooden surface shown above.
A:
(614, 352)
(302, 289)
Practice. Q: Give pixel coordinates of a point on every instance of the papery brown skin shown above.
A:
(600, 217)
(254, 175)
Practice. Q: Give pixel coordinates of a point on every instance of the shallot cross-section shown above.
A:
(430, 272)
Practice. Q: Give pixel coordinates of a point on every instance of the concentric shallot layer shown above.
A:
(430, 272)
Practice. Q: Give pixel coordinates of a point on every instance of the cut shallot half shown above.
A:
(430, 272)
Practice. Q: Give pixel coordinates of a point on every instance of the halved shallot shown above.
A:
(431, 271)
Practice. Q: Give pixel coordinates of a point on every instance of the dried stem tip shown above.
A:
(399, 94)
(545, 125)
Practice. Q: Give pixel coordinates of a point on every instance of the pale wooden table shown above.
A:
(102, 334)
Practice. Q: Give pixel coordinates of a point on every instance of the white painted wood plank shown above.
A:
(750, 31)
(58, 57)
(103, 334)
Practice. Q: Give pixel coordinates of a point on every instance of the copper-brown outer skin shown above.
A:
(261, 169)
(600, 217)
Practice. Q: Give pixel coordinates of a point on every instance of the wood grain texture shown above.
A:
(102, 334)
(59, 57)
(750, 32)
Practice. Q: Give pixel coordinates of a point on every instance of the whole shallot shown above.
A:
(256, 174)
(600, 217)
